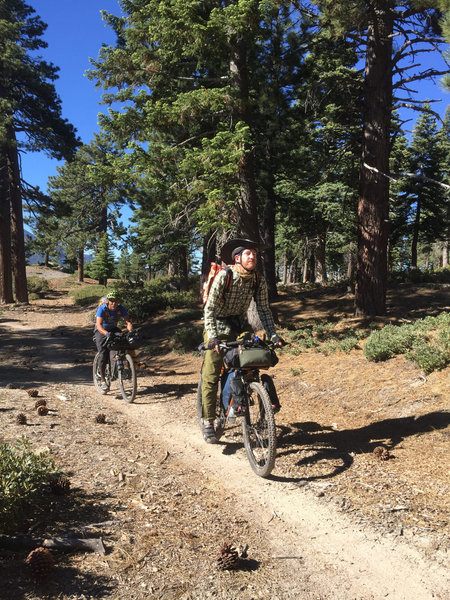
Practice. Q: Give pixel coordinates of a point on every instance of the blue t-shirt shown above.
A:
(110, 317)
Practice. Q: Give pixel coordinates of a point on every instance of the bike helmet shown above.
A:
(112, 295)
(235, 246)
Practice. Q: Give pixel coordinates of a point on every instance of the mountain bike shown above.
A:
(120, 365)
(257, 402)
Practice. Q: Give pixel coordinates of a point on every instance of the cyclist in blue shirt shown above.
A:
(106, 319)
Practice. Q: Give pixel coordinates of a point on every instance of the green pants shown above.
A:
(211, 368)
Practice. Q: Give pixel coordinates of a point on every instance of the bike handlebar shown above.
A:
(253, 343)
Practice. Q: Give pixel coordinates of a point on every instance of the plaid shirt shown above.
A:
(237, 300)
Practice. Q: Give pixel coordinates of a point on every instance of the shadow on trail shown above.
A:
(336, 448)
(169, 392)
(68, 514)
(53, 355)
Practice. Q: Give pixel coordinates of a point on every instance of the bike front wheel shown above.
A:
(258, 430)
(97, 376)
(127, 379)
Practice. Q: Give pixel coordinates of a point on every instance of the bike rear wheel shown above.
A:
(97, 376)
(219, 421)
(127, 378)
(258, 430)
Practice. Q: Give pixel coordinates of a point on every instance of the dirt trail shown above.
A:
(311, 548)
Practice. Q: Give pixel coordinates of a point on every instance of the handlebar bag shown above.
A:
(257, 357)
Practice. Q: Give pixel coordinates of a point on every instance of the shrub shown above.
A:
(186, 339)
(426, 342)
(429, 358)
(156, 295)
(388, 342)
(38, 287)
(85, 296)
(22, 474)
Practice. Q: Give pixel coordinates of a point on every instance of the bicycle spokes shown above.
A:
(258, 428)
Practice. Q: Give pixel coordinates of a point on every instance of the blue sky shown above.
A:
(75, 33)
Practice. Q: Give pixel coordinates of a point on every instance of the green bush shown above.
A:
(429, 358)
(440, 275)
(426, 342)
(85, 296)
(156, 295)
(22, 475)
(325, 337)
(388, 342)
(38, 287)
(186, 339)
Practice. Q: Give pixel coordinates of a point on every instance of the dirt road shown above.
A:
(164, 501)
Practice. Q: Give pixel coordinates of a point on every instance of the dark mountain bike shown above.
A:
(120, 365)
(257, 404)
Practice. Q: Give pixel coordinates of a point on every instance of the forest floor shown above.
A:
(333, 522)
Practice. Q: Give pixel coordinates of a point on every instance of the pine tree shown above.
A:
(201, 109)
(443, 138)
(85, 199)
(102, 265)
(29, 105)
(413, 25)
(427, 199)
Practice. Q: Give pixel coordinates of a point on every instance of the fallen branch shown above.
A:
(63, 543)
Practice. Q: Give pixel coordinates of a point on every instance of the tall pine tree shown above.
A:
(30, 120)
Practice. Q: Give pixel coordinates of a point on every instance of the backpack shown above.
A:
(216, 268)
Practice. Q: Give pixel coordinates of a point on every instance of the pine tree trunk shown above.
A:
(209, 254)
(6, 287)
(445, 247)
(183, 270)
(350, 265)
(293, 272)
(247, 217)
(415, 236)
(373, 206)
(305, 269)
(320, 255)
(80, 265)
(17, 233)
(284, 280)
(269, 243)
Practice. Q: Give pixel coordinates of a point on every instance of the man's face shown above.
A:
(248, 259)
(112, 303)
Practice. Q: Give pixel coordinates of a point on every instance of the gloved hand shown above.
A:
(277, 340)
(214, 344)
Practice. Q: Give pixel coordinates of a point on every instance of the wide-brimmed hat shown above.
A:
(227, 251)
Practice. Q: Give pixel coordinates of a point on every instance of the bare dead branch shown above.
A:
(418, 176)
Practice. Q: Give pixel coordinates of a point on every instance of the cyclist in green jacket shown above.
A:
(225, 317)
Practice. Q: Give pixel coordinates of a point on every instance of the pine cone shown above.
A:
(60, 485)
(40, 402)
(381, 453)
(40, 562)
(42, 410)
(21, 419)
(33, 393)
(100, 418)
(228, 558)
